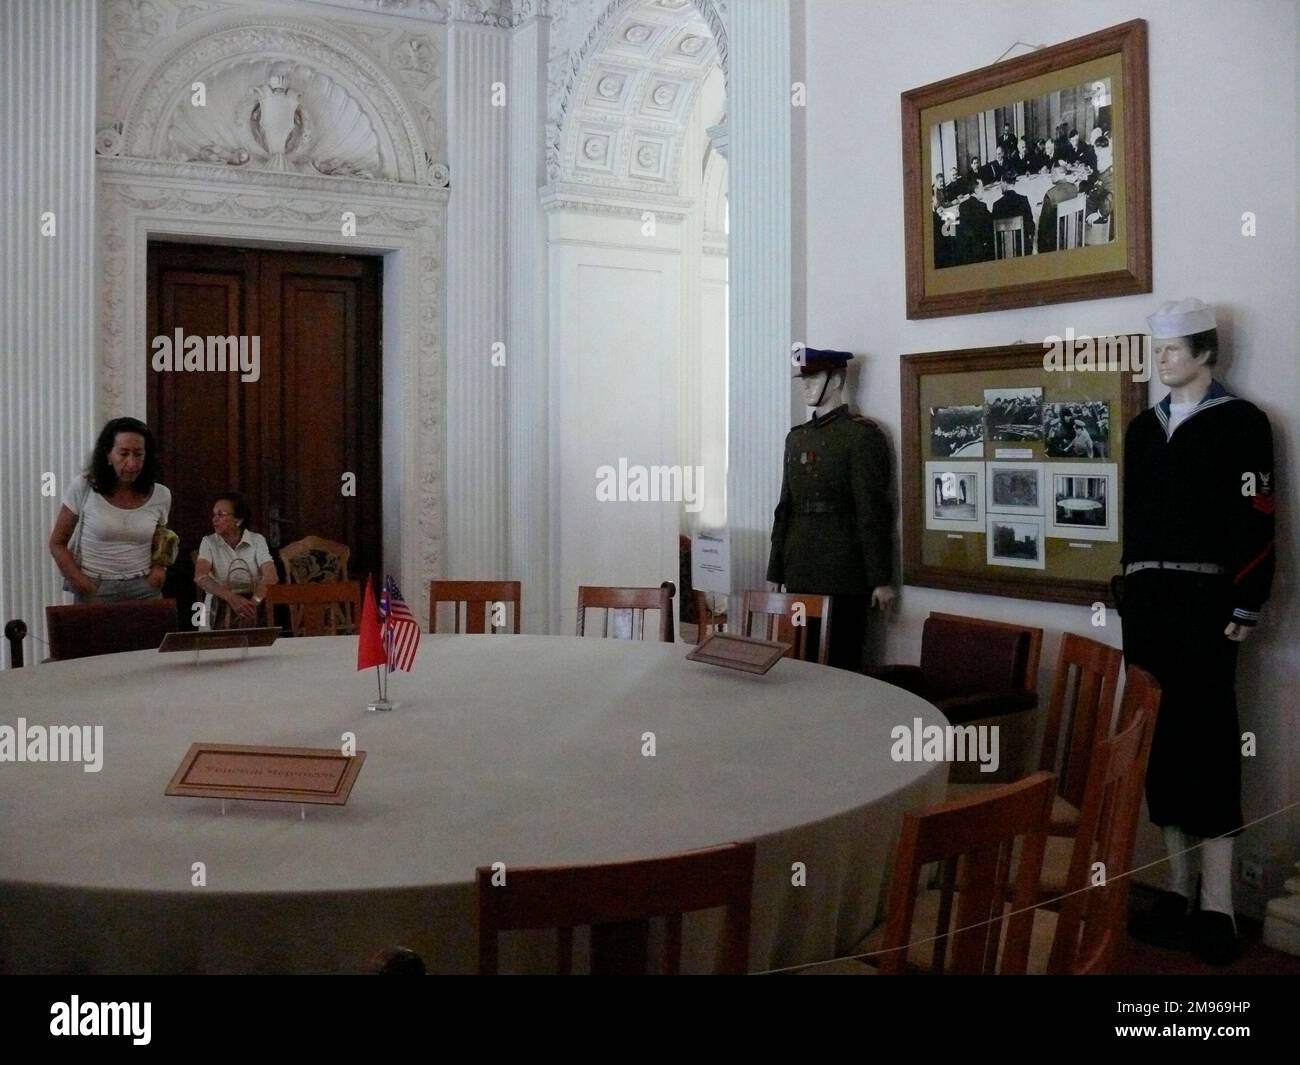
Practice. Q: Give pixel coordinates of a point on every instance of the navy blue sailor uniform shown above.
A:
(1200, 497)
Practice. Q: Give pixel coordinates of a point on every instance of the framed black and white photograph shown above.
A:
(1028, 181)
(1083, 501)
(1014, 487)
(1015, 541)
(956, 496)
(1014, 413)
(957, 432)
(1077, 430)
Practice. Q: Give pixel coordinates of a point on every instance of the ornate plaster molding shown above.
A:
(152, 108)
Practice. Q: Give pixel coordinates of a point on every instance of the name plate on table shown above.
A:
(219, 639)
(739, 652)
(273, 774)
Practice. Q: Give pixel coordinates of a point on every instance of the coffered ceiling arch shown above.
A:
(624, 110)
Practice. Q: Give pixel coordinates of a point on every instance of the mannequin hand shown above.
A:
(1237, 633)
(883, 597)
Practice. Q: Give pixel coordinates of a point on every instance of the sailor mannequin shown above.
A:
(832, 531)
(1198, 564)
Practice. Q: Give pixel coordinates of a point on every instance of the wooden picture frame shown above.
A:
(1104, 394)
(1106, 250)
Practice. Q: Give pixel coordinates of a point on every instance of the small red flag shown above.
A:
(370, 648)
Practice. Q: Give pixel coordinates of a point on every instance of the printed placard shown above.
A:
(271, 774)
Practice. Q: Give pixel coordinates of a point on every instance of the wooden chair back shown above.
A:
(1087, 675)
(479, 599)
(628, 607)
(706, 621)
(1008, 237)
(316, 609)
(776, 611)
(1092, 918)
(87, 629)
(315, 560)
(1033, 653)
(1069, 223)
(618, 900)
(974, 840)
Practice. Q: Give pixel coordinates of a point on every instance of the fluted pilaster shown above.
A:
(527, 398)
(478, 106)
(47, 383)
(759, 153)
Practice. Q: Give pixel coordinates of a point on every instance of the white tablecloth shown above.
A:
(526, 750)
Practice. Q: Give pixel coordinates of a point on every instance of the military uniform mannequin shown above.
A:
(832, 531)
(1198, 565)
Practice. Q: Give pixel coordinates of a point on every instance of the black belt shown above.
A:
(819, 508)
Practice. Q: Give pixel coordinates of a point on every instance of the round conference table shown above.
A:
(527, 750)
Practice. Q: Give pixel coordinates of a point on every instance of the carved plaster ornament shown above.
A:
(277, 120)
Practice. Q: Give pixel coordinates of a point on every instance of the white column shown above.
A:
(48, 52)
(692, 384)
(760, 314)
(475, 405)
(527, 364)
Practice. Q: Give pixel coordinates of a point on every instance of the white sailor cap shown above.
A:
(1181, 318)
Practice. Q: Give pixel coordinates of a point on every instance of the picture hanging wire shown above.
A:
(1018, 44)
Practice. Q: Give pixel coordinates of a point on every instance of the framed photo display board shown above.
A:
(1028, 181)
(1012, 468)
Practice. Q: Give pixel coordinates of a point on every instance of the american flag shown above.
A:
(401, 630)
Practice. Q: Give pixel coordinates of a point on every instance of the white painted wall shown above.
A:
(614, 347)
(1223, 141)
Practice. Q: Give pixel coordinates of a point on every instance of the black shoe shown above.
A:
(1164, 924)
(1213, 937)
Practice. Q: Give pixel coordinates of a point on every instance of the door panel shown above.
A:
(287, 439)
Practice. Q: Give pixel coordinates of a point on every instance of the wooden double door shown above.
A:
(301, 442)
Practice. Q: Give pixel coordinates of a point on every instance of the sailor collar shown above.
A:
(817, 421)
(1216, 395)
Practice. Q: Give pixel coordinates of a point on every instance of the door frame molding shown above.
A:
(143, 200)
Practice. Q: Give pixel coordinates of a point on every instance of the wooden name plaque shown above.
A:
(219, 639)
(739, 652)
(273, 774)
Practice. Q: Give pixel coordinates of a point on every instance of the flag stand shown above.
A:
(382, 702)
(378, 642)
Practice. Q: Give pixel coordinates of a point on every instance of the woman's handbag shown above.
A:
(166, 546)
(241, 580)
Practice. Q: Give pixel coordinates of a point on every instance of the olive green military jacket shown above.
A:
(833, 530)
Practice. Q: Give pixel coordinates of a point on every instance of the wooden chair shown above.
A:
(316, 609)
(618, 900)
(479, 599)
(315, 560)
(1083, 691)
(974, 838)
(1090, 924)
(1087, 676)
(776, 609)
(706, 621)
(629, 605)
(1008, 238)
(108, 628)
(1069, 223)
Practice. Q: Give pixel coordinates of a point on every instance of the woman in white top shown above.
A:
(234, 566)
(118, 504)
